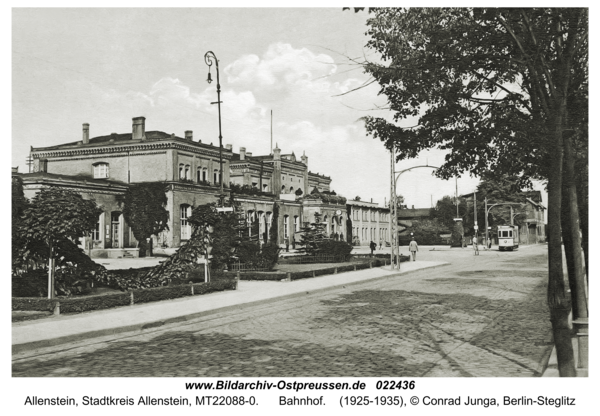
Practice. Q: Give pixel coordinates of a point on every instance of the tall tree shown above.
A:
(491, 85)
(53, 217)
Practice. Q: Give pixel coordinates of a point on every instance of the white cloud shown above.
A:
(281, 66)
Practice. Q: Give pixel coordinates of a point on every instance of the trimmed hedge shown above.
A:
(155, 294)
(111, 300)
(263, 276)
(73, 304)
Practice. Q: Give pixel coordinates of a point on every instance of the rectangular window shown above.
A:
(286, 226)
(101, 171)
(95, 236)
(115, 222)
(186, 228)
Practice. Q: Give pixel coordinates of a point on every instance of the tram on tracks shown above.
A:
(508, 237)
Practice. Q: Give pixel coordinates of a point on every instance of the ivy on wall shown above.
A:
(144, 209)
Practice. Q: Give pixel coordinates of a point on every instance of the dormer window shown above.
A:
(100, 170)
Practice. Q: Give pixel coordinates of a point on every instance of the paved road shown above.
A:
(482, 316)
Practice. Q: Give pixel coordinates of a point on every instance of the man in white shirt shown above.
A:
(413, 248)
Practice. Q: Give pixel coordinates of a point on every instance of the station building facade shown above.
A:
(103, 167)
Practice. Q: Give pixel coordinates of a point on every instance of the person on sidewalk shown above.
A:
(373, 247)
(413, 248)
(380, 243)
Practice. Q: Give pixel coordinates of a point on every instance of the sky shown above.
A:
(106, 66)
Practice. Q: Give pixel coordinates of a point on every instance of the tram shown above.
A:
(508, 237)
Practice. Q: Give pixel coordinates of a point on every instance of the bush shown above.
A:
(335, 248)
(253, 256)
(422, 238)
(33, 284)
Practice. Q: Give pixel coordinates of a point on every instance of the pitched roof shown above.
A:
(124, 138)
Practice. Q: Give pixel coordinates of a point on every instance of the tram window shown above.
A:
(510, 233)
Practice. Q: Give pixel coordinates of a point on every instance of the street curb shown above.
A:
(30, 346)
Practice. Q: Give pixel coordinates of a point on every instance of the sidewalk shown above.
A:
(62, 329)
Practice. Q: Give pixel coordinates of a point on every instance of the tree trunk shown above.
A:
(558, 302)
(580, 307)
(568, 244)
(51, 272)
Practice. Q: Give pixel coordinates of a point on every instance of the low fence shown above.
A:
(244, 267)
(313, 259)
(111, 300)
(289, 276)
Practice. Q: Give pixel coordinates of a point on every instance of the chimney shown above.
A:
(113, 137)
(248, 154)
(86, 133)
(229, 147)
(139, 128)
(189, 135)
(276, 152)
(304, 158)
(242, 153)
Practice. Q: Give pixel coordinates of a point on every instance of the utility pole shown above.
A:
(392, 204)
(475, 216)
(486, 223)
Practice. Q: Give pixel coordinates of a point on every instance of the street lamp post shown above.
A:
(211, 58)
(393, 205)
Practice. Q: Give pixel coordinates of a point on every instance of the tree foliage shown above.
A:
(312, 235)
(496, 87)
(49, 228)
(274, 230)
(144, 209)
(473, 88)
(56, 214)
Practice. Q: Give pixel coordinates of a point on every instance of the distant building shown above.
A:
(369, 222)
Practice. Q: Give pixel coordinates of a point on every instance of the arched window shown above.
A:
(101, 170)
(291, 189)
(199, 175)
(205, 174)
(187, 172)
(283, 188)
(181, 171)
(216, 177)
(186, 229)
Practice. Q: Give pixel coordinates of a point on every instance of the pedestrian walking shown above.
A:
(413, 248)
(489, 243)
(475, 246)
(294, 242)
(380, 243)
(287, 244)
(373, 247)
